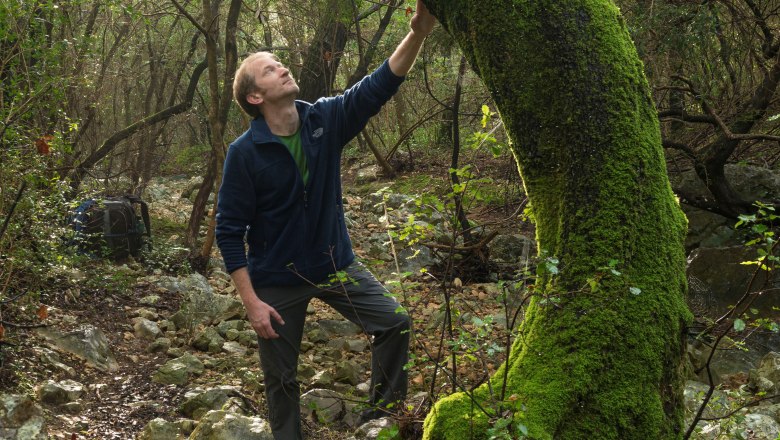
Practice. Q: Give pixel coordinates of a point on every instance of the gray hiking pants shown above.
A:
(362, 300)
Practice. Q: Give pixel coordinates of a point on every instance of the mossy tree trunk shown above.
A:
(600, 361)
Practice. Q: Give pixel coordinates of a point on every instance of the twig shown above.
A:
(22, 187)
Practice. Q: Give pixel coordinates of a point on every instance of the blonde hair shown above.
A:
(244, 83)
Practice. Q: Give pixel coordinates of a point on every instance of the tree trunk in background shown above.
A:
(600, 362)
(321, 60)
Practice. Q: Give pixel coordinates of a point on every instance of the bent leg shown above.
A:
(365, 301)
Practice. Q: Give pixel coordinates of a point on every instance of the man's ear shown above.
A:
(254, 99)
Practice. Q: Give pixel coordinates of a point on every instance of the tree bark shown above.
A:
(591, 360)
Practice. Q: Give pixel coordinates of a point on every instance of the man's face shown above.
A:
(274, 82)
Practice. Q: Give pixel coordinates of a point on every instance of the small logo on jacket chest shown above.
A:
(317, 133)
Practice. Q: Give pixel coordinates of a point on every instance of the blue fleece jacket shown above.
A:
(295, 233)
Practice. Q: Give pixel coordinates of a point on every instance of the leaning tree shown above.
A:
(600, 352)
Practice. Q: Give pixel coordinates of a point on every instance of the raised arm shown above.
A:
(402, 60)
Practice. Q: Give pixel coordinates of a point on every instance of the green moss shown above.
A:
(602, 364)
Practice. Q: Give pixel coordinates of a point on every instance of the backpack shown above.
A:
(111, 227)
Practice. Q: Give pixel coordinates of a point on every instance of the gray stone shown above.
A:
(234, 348)
(357, 345)
(323, 406)
(198, 401)
(339, 327)
(161, 429)
(208, 340)
(347, 372)
(373, 429)
(718, 279)
(21, 419)
(177, 371)
(150, 300)
(515, 248)
(222, 425)
(51, 357)
(232, 334)
(226, 326)
(415, 258)
(56, 393)
(766, 377)
(146, 329)
(322, 379)
(159, 345)
(88, 343)
(317, 335)
(248, 338)
(693, 396)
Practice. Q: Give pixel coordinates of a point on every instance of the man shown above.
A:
(281, 194)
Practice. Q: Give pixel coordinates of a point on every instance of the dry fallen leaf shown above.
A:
(43, 312)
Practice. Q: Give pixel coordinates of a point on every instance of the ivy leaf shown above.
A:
(739, 325)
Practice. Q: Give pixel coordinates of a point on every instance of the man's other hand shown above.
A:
(422, 21)
(260, 315)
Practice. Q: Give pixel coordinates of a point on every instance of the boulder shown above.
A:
(146, 329)
(384, 428)
(348, 372)
(198, 401)
(222, 425)
(766, 378)
(21, 419)
(208, 340)
(88, 343)
(56, 393)
(177, 371)
(323, 406)
(161, 429)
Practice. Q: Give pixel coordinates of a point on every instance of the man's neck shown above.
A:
(282, 120)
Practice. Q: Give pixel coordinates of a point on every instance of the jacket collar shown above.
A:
(262, 134)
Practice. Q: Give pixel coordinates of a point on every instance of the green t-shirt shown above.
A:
(293, 143)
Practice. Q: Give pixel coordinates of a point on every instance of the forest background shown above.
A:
(103, 98)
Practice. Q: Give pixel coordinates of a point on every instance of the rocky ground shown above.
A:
(155, 355)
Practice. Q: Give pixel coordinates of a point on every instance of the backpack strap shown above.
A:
(144, 213)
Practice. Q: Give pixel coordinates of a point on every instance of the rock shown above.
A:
(347, 372)
(201, 304)
(51, 357)
(772, 411)
(693, 396)
(414, 258)
(198, 401)
(751, 182)
(72, 407)
(159, 345)
(161, 429)
(337, 328)
(55, 393)
(177, 371)
(88, 343)
(235, 325)
(221, 425)
(208, 340)
(146, 329)
(323, 406)
(21, 419)
(322, 379)
(516, 249)
(234, 348)
(306, 371)
(766, 377)
(317, 335)
(372, 430)
(248, 338)
(150, 300)
(357, 345)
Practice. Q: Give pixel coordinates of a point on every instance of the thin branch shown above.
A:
(191, 18)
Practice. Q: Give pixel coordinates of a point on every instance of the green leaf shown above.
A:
(739, 325)
(635, 290)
